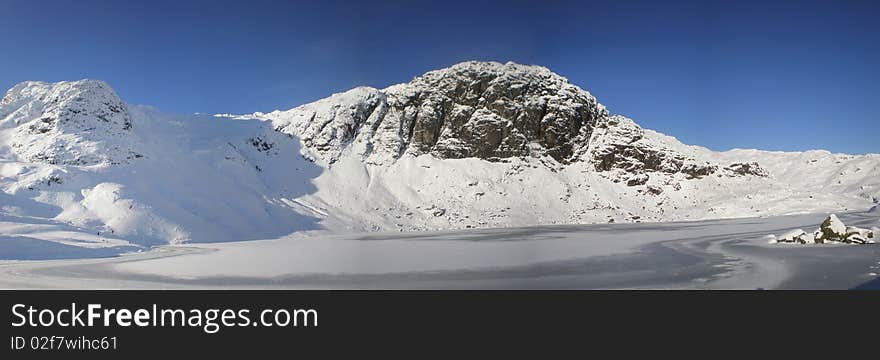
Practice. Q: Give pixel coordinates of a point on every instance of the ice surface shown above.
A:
(712, 254)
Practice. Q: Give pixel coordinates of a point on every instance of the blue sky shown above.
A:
(764, 74)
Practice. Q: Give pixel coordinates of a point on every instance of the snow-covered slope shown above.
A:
(474, 145)
(194, 178)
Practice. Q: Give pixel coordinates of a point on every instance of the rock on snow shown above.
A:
(832, 230)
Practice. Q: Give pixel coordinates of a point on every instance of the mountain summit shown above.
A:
(490, 111)
(484, 110)
(72, 123)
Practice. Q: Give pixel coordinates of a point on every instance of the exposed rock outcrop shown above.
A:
(619, 143)
(750, 168)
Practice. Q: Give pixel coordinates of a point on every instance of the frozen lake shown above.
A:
(715, 254)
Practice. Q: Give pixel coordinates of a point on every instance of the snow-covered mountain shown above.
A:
(479, 144)
(488, 144)
(68, 123)
(80, 167)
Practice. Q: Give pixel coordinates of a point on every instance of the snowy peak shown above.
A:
(71, 122)
(483, 110)
(491, 111)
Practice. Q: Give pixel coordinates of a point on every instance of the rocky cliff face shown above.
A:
(490, 111)
(473, 109)
(68, 123)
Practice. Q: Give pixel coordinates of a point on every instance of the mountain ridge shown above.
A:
(473, 145)
(487, 110)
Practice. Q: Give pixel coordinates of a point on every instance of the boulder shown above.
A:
(791, 236)
(858, 235)
(806, 238)
(855, 239)
(833, 229)
(817, 237)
